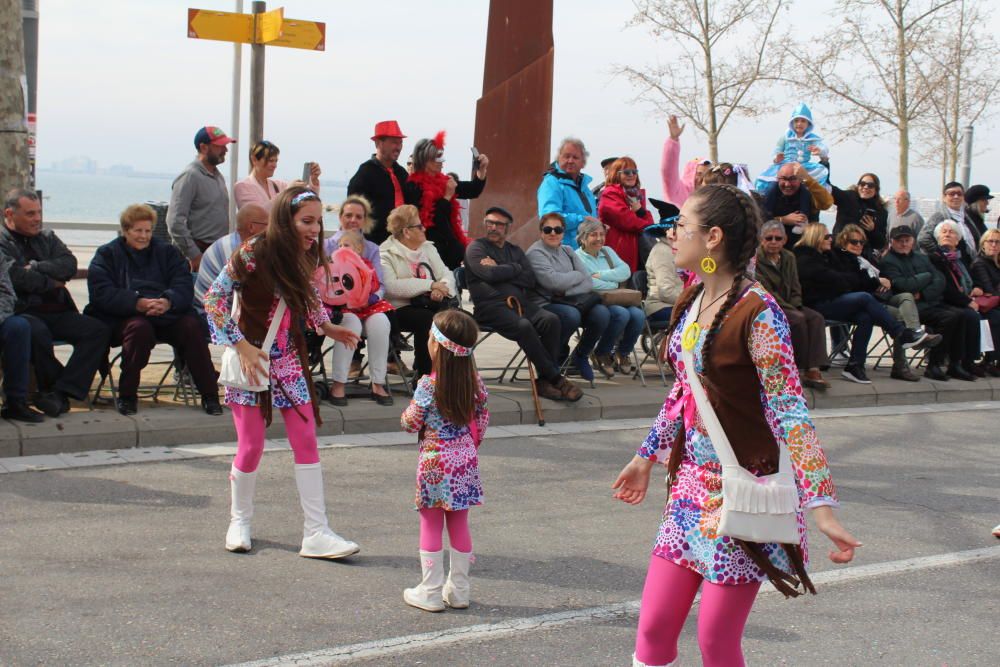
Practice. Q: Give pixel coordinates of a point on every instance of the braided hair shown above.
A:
(735, 213)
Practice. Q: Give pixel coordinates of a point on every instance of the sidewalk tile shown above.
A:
(959, 391)
(503, 409)
(494, 432)
(587, 408)
(527, 430)
(161, 425)
(206, 449)
(147, 454)
(631, 400)
(10, 439)
(37, 462)
(343, 440)
(98, 457)
(78, 430)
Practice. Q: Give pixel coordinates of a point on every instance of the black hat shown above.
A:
(665, 209)
(977, 192)
(900, 231)
(501, 210)
(606, 161)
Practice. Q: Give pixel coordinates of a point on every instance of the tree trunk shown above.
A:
(903, 103)
(713, 127)
(14, 165)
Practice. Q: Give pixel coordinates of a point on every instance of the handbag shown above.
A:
(619, 296)
(426, 302)
(754, 509)
(987, 302)
(231, 373)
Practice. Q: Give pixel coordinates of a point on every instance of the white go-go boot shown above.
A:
(427, 594)
(241, 487)
(318, 541)
(456, 589)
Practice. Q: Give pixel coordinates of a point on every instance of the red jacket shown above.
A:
(624, 226)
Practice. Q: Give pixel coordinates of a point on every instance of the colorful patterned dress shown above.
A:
(448, 467)
(286, 370)
(687, 534)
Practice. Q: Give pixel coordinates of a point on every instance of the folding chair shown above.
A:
(485, 333)
(652, 334)
(183, 384)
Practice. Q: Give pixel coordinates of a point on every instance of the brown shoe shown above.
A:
(569, 391)
(904, 373)
(605, 364)
(547, 390)
(814, 379)
(623, 362)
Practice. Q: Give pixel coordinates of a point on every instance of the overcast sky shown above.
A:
(120, 82)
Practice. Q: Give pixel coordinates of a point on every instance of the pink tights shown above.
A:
(666, 600)
(432, 522)
(250, 435)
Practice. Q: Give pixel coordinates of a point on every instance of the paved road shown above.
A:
(124, 565)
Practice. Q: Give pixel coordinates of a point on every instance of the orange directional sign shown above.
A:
(223, 26)
(269, 25)
(298, 34)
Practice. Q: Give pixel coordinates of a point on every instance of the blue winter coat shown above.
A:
(559, 193)
(119, 275)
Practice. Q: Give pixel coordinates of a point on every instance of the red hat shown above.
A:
(212, 135)
(388, 128)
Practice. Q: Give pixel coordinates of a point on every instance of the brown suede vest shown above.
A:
(257, 298)
(733, 388)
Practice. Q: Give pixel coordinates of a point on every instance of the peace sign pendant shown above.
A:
(692, 332)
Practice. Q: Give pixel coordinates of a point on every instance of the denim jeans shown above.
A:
(624, 329)
(15, 344)
(594, 325)
(661, 318)
(865, 311)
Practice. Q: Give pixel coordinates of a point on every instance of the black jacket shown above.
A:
(491, 285)
(915, 274)
(119, 275)
(451, 249)
(953, 294)
(50, 261)
(851, 208)
(372, 181)
(821, 279)
(857, 278)
(986, 275)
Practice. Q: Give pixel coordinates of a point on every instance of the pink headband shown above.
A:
(450, 345)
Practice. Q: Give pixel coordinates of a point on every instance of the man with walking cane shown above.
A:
(498, 270)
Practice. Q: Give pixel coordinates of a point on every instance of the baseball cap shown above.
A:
(900, 231)
(211, 134)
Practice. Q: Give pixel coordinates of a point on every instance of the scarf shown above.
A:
(432, 188)
(633, 192)
(957, 270)
(414, 258)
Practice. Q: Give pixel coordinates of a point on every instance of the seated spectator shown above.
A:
(778, 273)
(959, 288)
(913, 272)
(903, 214)
(951, 207)
(986, 276)
(417, 282)
(563, 286)
(664, 284)
(251, 219)
(15, 346)
(862, 205)
(260, 187)
(901, 305)
(977, 205)
(498, 270)
(623, 208)
(793, 205)
(140, 287)
(436, 195)
(41, 267)
(565, 189)
(678, 187)
(837, 295)
(608, 271)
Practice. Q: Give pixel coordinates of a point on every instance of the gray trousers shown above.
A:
(902, 307)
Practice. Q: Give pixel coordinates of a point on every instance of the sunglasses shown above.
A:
(552, 230)
(772, 239)
(629, 172)
(867, 184)
(828, 237)
(856, 241)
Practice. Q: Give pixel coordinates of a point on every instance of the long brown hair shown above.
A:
(279, 251)
(457, 385)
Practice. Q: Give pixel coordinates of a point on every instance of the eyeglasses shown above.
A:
(954, 193)
(828, 237)
(552, 230)
(992, 241)
(788, 179)
(492, 222)
(867, 184)
(629, 172)
(420, 227)
(772, 239)
(856, 241)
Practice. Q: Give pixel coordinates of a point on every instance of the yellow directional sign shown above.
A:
(224, 26)
(269, 25)
(298, 34)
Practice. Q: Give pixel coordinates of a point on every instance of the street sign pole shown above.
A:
(234, 124)
(257, 79)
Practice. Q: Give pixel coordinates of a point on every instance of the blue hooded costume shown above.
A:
(796, 149)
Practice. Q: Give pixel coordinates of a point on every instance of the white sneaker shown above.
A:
(996, 530)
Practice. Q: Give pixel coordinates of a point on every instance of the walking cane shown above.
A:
(514, 304)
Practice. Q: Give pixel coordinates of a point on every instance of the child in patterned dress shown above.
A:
(449, 412)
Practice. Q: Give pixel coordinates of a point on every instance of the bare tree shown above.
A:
(726, 48)
(14, 167)
(963, 61)
(868, 67)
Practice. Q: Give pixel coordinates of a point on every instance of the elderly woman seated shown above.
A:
(141, 287)
(608, 271)
(986, 276)
(961, 292)
(901, 305)
(563, 286)
(417, 282)
(778, 272)
(839, 294)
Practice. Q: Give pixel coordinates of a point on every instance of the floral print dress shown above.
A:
(687, 534)
(288, 383)
(448, 466)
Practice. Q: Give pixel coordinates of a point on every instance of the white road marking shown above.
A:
(489, 631)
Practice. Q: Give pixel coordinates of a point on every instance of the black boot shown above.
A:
(19, 410)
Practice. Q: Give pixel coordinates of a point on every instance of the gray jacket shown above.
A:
(199, 209)
(558, 272)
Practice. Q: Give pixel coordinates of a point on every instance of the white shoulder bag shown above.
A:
(231, 374)
(754, 509)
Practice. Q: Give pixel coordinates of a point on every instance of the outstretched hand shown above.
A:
(676, 129)
(633, 481)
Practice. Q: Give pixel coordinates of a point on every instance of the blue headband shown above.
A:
(303, 196)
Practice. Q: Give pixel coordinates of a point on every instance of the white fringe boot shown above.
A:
(241, 488)
(318, 541)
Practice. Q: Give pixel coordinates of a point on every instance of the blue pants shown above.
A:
(15, 342)
(661, 318)
(624, 329)
(865, 311)
(594, 325)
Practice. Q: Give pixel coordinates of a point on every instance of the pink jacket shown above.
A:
(677, 190)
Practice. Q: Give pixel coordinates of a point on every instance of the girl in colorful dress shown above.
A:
(799, 144)
(739, 339)
(271, 269)
(449, 411)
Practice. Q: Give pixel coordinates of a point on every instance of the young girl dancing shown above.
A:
(738, 340)
(449, 411)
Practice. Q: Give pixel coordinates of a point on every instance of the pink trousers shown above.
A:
(432, 521)
(250, 430)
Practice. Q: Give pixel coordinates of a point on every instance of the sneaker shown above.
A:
(855, 374)
(904, 373)
(582, 364)
(20, 411)
(605, 364)
(840, 359)
(996, 530)
(918, 339)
